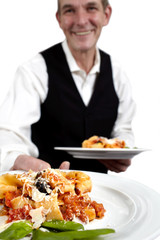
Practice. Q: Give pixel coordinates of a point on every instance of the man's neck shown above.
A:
(85, 60)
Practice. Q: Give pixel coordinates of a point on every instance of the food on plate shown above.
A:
(16, 230)
(102, 142)
(47, 195)
(55, 229)
(71, 235)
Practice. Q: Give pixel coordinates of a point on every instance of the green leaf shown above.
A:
(16, 231)
(61, 225)
(70, 235)
(40, 235)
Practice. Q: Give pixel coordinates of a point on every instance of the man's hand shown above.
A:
(25, 162)
(117, 165)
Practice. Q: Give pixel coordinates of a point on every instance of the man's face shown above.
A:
(82, 22)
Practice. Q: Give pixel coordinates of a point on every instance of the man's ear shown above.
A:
(108, 13)
(58, 18)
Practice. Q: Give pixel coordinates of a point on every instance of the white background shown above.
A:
(132, 36)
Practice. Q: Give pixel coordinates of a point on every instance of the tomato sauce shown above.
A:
(11, 195)
(99, 209)
(19, 214)
(77, 205)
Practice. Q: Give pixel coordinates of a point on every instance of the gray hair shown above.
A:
(105, 3)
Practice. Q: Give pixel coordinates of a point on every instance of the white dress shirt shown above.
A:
(21, 107)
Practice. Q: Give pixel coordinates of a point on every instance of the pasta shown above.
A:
(102, 142)
(48, 194)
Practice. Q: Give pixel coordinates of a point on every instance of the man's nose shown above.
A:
(81, 17)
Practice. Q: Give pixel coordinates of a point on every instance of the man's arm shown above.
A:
(20, 109)
(122, 128)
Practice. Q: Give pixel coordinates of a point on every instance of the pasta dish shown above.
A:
(102, 142)
(47, 195)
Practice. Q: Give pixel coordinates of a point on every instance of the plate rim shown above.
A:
(102, 153)
(101, 149)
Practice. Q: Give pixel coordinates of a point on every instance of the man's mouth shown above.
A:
(82, 33)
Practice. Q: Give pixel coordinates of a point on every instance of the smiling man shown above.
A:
(82, 22)
(71, 91)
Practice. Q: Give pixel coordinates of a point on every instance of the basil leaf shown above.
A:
(40, 235)
(70, 235)
(61, 225)
(16, 231)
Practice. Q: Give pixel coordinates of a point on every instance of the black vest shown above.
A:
(65, 120)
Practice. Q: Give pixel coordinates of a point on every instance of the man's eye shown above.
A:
(91, 9)
(69, 10)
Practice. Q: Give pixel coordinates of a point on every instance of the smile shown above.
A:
(83, 33)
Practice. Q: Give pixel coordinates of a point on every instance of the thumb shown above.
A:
(65, 165)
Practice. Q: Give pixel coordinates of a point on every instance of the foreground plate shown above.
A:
(102, 153)
(132, 209)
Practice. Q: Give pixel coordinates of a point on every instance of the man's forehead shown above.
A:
(75, 2)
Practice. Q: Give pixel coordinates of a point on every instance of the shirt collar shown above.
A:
(72, 63)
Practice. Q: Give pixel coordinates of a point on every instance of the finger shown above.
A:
(117, 165)
(113, 168)
(126, 162)
(118, 168)
(42, 165)
(65, 165)
(24, 162)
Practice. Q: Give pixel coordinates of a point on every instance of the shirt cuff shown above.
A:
(7, 159)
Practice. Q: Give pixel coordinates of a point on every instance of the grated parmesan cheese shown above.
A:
(37, 196)
(37, 216)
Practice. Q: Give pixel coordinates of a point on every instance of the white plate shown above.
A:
(102, 153)
(132, 209)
